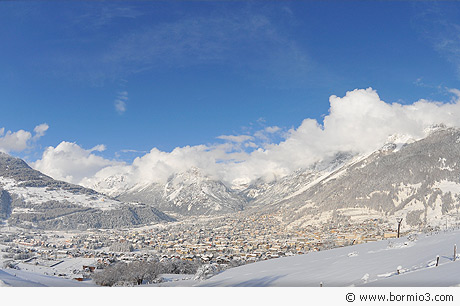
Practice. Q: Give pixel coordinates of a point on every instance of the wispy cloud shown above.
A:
(456, 92)
(118, 40)
(40, 130)
(250, 43)
(235, 138)
(120, 102)
(102, 14)
(438, 22)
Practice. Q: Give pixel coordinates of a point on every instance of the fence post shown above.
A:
(399, 220)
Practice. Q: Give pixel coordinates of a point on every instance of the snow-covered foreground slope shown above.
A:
(18, 278)
(371, 264)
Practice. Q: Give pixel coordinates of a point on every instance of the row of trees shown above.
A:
(139, 272)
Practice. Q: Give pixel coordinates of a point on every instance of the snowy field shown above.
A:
(19, 278)
(372, 264)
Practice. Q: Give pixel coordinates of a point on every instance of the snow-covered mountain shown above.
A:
(192, 193)
(30, 198)
(187, 193)
(418, 181)
(414, 180)
(264, 193)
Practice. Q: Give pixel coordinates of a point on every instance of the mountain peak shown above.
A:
(435, 128)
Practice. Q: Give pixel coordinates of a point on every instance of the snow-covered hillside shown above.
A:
(371, 264)
(29, 198)
(40, 195)
(417, 181)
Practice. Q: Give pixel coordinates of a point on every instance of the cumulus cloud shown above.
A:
(359, 122)
(20, 140)
(120, 102)
(14, 141)
(71, 163)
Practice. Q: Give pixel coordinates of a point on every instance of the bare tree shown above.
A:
(123, 274)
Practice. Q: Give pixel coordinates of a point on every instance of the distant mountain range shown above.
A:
(418, 181)
(414, 180)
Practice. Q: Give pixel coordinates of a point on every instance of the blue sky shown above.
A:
(138, 75)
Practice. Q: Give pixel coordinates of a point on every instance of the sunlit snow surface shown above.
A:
(18, 278)
(371, 264)
(39, 195)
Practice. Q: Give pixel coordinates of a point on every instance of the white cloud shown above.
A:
(235, 138)
(98, 148)
(71, 163)
(14, 141)
(454, 91)
(439, 25)
(20, 140)
(40, 130)
(120, 102)
(103, 14)
(267, 134)
(272, 129)
(359, 122)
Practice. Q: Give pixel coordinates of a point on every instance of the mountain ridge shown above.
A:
(29, 198)
(416, 180)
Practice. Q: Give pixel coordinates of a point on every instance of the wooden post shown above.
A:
(437, 260)
(399, 225)
(455, 252)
